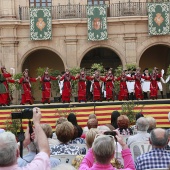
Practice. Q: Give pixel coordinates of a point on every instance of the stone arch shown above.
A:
(27, 53)
(118, 52)
(149, 43)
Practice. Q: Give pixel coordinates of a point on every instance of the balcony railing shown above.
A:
(79, 11)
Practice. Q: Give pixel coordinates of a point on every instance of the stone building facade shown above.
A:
(128, 41)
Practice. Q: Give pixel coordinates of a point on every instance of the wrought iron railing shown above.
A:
(79, 11)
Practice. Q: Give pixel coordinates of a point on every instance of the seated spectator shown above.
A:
(9, 152)
(114, 116)
(72, 118)
(110, 127)
(102, 129)
(49, 133)
(76, 139)
(85, 129)
(103, 148)
(158, 157)
(142, 126)
(59, 121)
(64, 132)
(92, 123)
(137, 116)
(64, 167)
(90, 136)
(123, 125)
(152, 124)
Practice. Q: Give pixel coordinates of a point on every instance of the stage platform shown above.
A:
(51, 112)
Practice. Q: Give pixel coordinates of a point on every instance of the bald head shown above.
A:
(92, 116)
(92, 123)
(159, 138)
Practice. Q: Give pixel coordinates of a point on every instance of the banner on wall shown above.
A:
(158, 18)
(40, 24)
(97, 22)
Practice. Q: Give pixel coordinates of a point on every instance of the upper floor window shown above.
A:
(40, 3)
(98, 2)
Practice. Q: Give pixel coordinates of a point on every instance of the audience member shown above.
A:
(152, 124)
(49, 133)
(138, 115)
(64, 167)
(9, 151)
(110, 127)
(72, 118)
(92, 123)
(76, 139)
(102, 152)
(59, 121)
(114, 116)
(158, 157)
(102, 129)
(142, 126)
(123, 125)
(65, 132)
(91, 116)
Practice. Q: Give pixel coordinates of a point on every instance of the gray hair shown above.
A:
(64, 166)
(142, 124)
(8, 149)
(157, 139)
(152, 123)
(103, 148)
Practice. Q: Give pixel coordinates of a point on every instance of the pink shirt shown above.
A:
(87, 163)
(40, 162)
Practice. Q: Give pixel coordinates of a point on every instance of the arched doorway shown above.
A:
(41, 58)
(156, 56)
(103, 55)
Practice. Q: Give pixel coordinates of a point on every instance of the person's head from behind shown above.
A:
(114, 116)
(142, 124)
(92, 116)
(47, 130)
(90, 136)
(123, 122)
(103, 148)
(60, 120)
(72, 118)
(159, 138)
(152, 123)
(92, 123)
(138, 115)
(64, 166)
(102, 129)
(65, 132)
(8, 149)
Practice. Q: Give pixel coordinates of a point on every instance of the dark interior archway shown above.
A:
(103, 55)
(156, 56)
(41, 58)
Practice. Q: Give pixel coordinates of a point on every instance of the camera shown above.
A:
(24, 114)
(111, 133)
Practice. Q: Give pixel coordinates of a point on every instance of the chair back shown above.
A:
(138, 148)
(83, 148)
(158, 169)
(64, 158)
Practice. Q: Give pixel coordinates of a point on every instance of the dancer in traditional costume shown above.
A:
(25, 81)
(123, 92)
(46, 86)
(145, 83)
(109, 80)
(96, 89)
(5, 78)
(66, 92)
(130, 84)
(158, 79)
(137, 86)
(82, 85)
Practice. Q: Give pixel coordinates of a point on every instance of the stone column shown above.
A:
(130, 49)
(7, 9)
(71, 46)
(9, 45)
